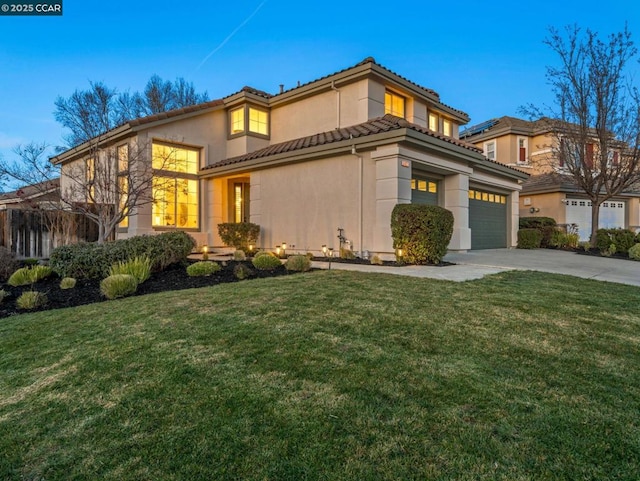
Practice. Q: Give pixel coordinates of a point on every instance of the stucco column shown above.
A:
(513, 218)
(393, 186)
(255, 205)
(456, 199)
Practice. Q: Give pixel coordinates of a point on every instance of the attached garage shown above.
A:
(578, 211)
(424, 191)
(487, 219)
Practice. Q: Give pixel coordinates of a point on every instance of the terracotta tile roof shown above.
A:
(549, 180)
(175, 113)
(251, 90)
(375, 126)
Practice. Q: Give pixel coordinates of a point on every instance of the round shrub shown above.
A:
(119, 285)
(203, 268)
(239, 234)
(376, 260)
(241, 271)
(422, 231)
(266, 262)
(546, 226)
(529, 239)
(634, 252)
(239, 255)
(31, 300)
(265, 253)
(298, 264)
(67, 283)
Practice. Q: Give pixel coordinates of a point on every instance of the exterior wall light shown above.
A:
(534, 209)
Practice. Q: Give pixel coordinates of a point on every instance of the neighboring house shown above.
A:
(337, 152)
(549, 192)
(32, 224)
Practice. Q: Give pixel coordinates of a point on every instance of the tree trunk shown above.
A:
(595, 220)
(101, 233)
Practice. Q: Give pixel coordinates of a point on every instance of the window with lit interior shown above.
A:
(394, 104)
(236, 119)
(175, 186)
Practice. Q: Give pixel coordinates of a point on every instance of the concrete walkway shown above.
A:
(477, 264)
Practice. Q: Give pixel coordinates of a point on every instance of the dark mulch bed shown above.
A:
(88, 291)
(597, 253)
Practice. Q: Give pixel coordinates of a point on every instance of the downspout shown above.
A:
(337, 91)
(360, 194)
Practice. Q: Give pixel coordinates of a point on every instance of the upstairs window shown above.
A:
(433, 122)
(237, 121)
(447, 128)
(258, 121)
(522, 150)
(490, 150)
(394, 104)
(248, 119)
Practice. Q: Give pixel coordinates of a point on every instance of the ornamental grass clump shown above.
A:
(3, 294)
(67, 283)
(298, 264)
(31, 300)
(203, 268)
(138, 267)
(29, 275)
(118, 285)
(266, 261)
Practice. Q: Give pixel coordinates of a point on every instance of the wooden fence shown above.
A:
(35, 233)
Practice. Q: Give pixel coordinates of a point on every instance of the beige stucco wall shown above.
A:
(550, 205)
(319, 113)
(304, 204)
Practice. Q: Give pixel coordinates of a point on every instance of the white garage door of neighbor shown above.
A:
(579, 212)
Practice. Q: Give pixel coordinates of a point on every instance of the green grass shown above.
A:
(329, 376)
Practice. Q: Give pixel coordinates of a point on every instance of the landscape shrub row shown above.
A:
(93, 261)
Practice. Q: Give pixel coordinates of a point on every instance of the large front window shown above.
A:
(175, 186)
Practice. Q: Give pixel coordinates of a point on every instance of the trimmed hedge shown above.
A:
(529, 238)
(423, 232)
(546, 226)
(93, 261)
(634, 252)
(239, 235)
(623, 239)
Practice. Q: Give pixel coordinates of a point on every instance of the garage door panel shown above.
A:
(487, 219)
(578, 211)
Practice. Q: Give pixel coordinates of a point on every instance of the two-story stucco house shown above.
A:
(337, 152)
(531, 146)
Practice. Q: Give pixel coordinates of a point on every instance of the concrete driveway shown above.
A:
(477, 264)
(549, 260)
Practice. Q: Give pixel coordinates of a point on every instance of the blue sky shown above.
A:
(485, 58)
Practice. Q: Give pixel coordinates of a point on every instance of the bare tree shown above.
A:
(89, 113)
(108, 186)
(596, 119)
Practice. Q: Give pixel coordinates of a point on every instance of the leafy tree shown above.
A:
(596, 118)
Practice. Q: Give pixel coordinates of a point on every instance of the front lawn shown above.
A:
(331, 375)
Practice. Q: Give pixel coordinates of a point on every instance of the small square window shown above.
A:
(258, 121)
(394, 104)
